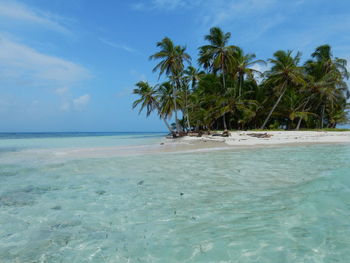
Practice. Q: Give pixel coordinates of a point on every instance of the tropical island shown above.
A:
(227, 91)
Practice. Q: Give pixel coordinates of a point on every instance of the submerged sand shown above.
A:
(236, 141)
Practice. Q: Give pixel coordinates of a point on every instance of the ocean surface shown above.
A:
(265, 205)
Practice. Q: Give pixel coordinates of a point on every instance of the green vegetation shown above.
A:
(227, 91)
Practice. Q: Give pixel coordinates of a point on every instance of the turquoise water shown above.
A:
(266, 205)
(21, 141)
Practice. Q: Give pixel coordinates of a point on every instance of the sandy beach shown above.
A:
(250, 138)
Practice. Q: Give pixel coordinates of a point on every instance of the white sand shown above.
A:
(276, 137)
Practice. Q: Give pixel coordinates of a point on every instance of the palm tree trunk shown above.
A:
(274, 106)
(188, 121)
(300, 119)
(299, 123)
(187, 116)
(164, 120)
(224, 85)
(175, 109)
(322, 116)
(240, 79)
(167, 124)
(224, 121)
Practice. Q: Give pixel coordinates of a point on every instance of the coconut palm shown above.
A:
(231, 93)
(193, 76)
(217, 56)
(172, 58)
(244, 65)
(323, 57)
(284, 73)
(330, 72)
(190, 80)
(148, 100)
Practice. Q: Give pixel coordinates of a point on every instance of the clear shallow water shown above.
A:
(22, 141)
(278, 204)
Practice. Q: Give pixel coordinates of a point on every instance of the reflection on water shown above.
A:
(281, 204)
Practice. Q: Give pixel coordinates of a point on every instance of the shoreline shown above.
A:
(256, 138)
(206, 143)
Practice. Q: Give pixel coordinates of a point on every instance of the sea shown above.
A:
(59, 202)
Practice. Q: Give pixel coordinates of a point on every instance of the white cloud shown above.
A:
(118, 46)
(16, 11)
(261, 68)
(139, 76)
(208, 13)
(138, 6)
(61, 91)
(166, 4)
(24, 65)
(219, 10)
(124, 92)
(169, 4)
(258, 16)
(66, 106)
(80, 102)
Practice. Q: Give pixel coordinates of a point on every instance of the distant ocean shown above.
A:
(49, 140)
(273, 204)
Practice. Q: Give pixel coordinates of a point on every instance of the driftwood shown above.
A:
(224, 134)
(175, 135)
(195, 134)
(182, 133)
(260, 135)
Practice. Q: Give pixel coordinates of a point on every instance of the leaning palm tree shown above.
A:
(148, 100)
(171, 63)
(284, 73)
(217, 56)
(165, 92)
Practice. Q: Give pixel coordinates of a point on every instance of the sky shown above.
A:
(72, 65)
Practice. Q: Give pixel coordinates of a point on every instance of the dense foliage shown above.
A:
(227, 91)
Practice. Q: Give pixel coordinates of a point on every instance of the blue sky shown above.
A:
(71, 65)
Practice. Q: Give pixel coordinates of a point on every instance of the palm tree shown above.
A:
(193, 76)
(171, 63)
(165, 96)
(227, 94)
(245, 66)
(284, 73)
(217, 56)
(148, 100)
(331, 97)
(323, 57)
(330, 72)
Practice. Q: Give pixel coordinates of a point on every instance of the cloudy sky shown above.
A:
(71, 65)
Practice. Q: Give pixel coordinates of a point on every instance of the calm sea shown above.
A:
(267, 205)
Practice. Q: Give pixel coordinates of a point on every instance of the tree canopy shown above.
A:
(227, 91)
